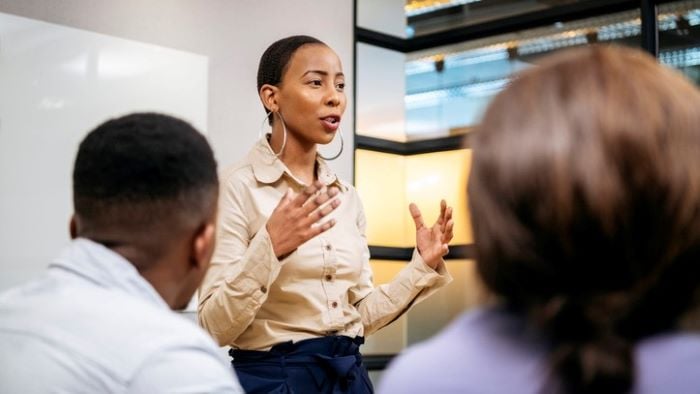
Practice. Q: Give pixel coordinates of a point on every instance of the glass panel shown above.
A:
(433, 314)
(381, 87)
(430, 16)
(433, 176)
(392, 338)
(679, 37)
(430, 316)
(449, 87)
(383, 194)
(423, 179)
(385, 16)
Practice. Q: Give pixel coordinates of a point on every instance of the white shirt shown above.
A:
(92, 324)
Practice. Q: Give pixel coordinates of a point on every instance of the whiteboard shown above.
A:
(56, 84)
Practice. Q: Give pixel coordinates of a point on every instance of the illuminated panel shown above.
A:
(428, 317)
(392, 338)
(433, 176)
(380, 181)
(388, 182)
(437, 311)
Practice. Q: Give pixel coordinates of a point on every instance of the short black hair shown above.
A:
(275, 59)
(130, 169)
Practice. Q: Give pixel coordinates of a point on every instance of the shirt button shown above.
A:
(329, 247)
(329, 277)
(334, 304)
(263, 289)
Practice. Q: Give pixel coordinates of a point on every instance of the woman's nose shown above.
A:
(333, 97)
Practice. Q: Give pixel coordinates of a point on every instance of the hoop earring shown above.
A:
(342, 144)
(284, 129)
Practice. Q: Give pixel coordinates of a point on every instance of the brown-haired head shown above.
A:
(585, 201)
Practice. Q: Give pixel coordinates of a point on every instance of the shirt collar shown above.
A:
(268, 169)
(103, 267)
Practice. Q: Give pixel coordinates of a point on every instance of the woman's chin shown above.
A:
(327, 138)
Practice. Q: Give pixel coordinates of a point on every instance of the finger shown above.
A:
(416, 215)
(448, 213)
(314, 202)
(437, 232)
(307, 193)
(445, 249)
(447, 218)
(285, 200)
(443, 208)
(321, 199)
(321, 228)
(333, 191)
(323, 211)
(448, 233)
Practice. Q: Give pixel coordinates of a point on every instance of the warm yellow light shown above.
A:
(384, 271)
(440, 175)
(392, 338)
(433, 314)
(380, 180)
(427, 318)
(387, 183)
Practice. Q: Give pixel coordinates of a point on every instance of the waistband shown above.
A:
(327, 346)
(337, 355)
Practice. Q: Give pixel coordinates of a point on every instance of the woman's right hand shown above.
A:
(297, 218)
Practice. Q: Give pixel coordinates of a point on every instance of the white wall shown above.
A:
(232, 34)
(57, 83)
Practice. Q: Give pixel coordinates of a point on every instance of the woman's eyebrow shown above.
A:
(321, 72)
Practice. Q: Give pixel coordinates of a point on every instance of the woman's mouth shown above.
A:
(331, 123)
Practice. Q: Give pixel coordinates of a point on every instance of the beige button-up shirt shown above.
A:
(251, 300)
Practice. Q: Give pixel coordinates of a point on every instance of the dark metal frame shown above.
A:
(412, 147)
(564, 13)
(404, 254)
(377, 362)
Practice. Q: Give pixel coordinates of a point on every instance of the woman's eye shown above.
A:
(340, 86)
(316, 82)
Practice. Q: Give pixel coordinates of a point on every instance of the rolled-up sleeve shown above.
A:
(241, 271)
(380, 305)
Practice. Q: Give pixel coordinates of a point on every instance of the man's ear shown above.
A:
(73, 227)
(203, 245)
(268, 96)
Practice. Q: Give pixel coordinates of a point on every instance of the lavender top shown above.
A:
(492, 351)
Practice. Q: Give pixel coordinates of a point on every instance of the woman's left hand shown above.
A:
(432, 242)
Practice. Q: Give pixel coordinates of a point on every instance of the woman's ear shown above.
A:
(268, 96)
(203, 245)
(73, 227)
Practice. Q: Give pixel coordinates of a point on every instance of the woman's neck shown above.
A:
(298, 156)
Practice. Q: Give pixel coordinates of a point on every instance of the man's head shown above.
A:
(145, 186)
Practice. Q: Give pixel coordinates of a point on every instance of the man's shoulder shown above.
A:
(102, 340)
(97, 323)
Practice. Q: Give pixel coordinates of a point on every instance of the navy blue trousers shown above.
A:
(330, 364)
